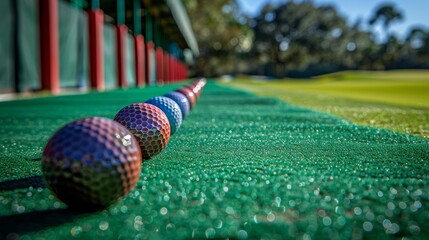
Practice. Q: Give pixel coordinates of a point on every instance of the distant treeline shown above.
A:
(300, 39)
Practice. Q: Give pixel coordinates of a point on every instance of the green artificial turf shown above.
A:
(240, 167)
(396, 100)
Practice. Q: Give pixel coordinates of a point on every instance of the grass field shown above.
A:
(396, 100)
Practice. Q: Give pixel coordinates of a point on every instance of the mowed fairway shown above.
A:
(396, 100)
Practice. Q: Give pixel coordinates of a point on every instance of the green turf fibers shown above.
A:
(240, 167)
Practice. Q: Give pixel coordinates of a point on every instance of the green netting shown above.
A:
(240, 167)
(6, 46)
(83, 48)
(29, 44)
(109, 48)
(73, 51)
(130, 61)
(151, 66)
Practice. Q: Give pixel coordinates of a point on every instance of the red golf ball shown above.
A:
(91, 163)
(189, 94)
(149, 125)
(195, 89)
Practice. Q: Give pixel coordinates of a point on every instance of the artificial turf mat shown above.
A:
(240, 167)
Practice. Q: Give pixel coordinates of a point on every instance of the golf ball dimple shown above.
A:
(181, 100)
(171, 110)
(91, 163)
(148, 124)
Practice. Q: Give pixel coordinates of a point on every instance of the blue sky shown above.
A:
(416, 11)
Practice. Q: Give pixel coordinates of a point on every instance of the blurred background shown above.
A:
(103, 44)
(63, 45)
(305, 38)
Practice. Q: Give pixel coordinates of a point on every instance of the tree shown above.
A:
(417, 46)
(386, 14)
(298, 38)
(298, 35)
(389, 52)
(222, 34)
(361, 49)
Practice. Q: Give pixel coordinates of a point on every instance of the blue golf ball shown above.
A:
(181, 100)
(171, 110)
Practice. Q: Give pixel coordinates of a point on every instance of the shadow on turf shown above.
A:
(34, 181)
(35, 221)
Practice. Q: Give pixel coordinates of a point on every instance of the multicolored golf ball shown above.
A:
(189, 94)
(91, 163)
(150, 126)
(195, 89)
(181, 100)
(198, 85)
(202, 82)
(171, 110)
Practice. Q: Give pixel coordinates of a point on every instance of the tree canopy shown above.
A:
(299, 39)
(221, 32)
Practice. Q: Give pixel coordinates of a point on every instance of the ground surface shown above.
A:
(240, 167)
(396, 100)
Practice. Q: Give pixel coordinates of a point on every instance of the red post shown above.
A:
(179, 74)
(170, 62)
(121, 41)
(96, 58)
(175, 69)
(171, 68)
(180, 71)
(49, 60)
(140, 60)
(184, 71)
(166, 67)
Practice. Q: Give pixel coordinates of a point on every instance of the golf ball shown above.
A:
(189, 94)
(149, 124)
(195, 89)
(91, 163)
(171, 110)
(181, 100)
(202, 82)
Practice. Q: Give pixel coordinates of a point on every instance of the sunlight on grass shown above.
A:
(396, 100)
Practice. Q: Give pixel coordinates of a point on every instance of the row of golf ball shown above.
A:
(92, 162)
(149, 125)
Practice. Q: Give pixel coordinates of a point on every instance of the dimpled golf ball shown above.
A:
(150, 126)
(91, 163)
(181, 100)
(189, 94)
(171, 110)
(195, 89)
(202, 82)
